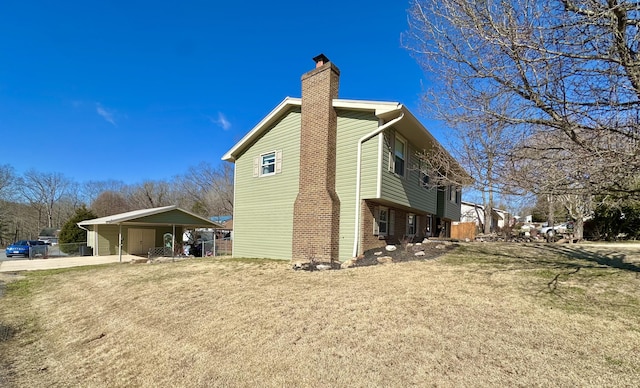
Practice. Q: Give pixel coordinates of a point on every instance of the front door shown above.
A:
(141, 240)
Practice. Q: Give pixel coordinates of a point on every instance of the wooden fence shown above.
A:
(463, 230)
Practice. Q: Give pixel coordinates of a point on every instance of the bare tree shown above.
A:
(7, 177)
(109, 203)
(150, 194)
(550, 172)
(43, 191)
(91, 190)
(481, 145)
(561, 67)
(208, 189)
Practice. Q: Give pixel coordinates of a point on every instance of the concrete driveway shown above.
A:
(62, 262)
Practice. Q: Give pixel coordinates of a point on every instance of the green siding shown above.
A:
(263, 208)
(351, 127)
(108, 239)
(171, 217)
(446, 208)
(406, 191)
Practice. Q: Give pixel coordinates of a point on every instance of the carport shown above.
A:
(135, 232)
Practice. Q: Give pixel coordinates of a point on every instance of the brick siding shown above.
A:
(316, 212)
(371, 241)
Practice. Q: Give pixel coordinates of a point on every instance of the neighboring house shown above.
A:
(325, 178)
(471, 212)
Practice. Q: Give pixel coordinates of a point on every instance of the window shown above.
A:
(453, 194)
(383, 223)
(411, 224)
(267, 164)
(424, 180)
(399, 151)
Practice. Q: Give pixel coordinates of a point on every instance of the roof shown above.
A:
(495, 210)
(166, 215)
(409, 127)
(380, 108)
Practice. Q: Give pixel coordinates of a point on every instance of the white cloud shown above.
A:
(105, 114)
(221, 121)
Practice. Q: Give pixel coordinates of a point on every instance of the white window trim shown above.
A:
(377, 223)
(258, 164)
(405, 151)
(390, 222)
(415, 224)
(263, 165)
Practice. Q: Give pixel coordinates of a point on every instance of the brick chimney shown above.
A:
(316, 212)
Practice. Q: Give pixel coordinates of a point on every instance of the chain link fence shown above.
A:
(160, 252)
(70, 250)
(217, 247)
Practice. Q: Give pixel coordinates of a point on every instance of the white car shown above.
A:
(560, 228)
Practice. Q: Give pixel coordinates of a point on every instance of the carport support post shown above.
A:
(173, 242)
(120, 243)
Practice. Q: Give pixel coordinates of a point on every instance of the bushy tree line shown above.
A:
(615, 221)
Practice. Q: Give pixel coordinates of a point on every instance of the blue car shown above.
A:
(22, 248)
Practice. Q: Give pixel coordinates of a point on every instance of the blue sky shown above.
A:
(141, 90)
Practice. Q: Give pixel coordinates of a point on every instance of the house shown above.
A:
(139, 231)
(472, 212)
(326, 178)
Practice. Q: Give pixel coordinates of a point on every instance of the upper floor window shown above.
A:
(453, 194)
(267, 164)
(424, 179)
(399, 154)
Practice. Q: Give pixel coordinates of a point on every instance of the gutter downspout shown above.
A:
(82, 227)
(377, 131)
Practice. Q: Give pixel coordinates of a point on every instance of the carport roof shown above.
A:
(166, 215)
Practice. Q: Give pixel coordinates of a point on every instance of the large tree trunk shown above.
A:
(487, 219)
(578, 229)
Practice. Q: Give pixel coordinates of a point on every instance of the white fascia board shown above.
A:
(378, 107)
(275, 114)
(117, 218)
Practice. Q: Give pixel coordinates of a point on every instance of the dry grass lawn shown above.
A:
(484, 315)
